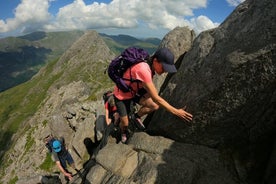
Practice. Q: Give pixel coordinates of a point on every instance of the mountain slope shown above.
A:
(226, 80)
(82, 61)
(22, 57)
(120, 42)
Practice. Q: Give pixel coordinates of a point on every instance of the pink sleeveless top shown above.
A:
(140, 71)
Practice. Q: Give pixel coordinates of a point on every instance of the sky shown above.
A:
(138, 18)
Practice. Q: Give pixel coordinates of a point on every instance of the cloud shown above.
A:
(118, 14)
(202, 23)
(125, 14)
(29, 15)
(234, 2)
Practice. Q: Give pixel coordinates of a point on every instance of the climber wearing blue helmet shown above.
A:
(61, 157)
(57, 146)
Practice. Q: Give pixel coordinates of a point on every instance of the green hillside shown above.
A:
(120, 42)
(19, 103)
(22, 57)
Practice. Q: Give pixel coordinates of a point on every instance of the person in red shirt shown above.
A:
(144, 92)
(111, 114)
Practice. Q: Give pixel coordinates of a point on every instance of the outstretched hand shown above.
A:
(184, 115)
(69, 175)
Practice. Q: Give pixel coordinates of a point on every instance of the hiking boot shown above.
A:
(123, 138)
(139, 124)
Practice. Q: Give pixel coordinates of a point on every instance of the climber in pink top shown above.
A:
(144, 92)
(140, 71)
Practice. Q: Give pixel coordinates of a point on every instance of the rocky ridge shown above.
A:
(226, 82)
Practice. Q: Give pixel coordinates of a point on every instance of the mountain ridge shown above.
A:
(226, 79)
(21, 57)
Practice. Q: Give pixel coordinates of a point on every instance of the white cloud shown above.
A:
(234, 2)
(124, 14)
(202, 23)
(29, 15)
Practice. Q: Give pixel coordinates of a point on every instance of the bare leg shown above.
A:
(116, 118)
(124, 123)
(148, 106)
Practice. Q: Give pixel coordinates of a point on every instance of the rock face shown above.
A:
(226, 80)
(158, 160)
(179, 41)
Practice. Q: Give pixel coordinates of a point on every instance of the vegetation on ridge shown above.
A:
(21, 102)
(22, 57)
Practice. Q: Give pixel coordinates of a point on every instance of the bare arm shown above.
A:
(63, 171)
(181, 113)
(107, 119)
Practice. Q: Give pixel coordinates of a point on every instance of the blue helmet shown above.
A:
(57, 146)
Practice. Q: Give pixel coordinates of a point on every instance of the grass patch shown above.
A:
(30, 141)
(13, 180)
(44, 123)
(48, 163)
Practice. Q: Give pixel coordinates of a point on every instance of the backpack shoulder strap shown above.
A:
(121, 63)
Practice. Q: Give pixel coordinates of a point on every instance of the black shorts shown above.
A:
(124, 107)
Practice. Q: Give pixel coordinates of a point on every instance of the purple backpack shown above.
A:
(121, 63)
